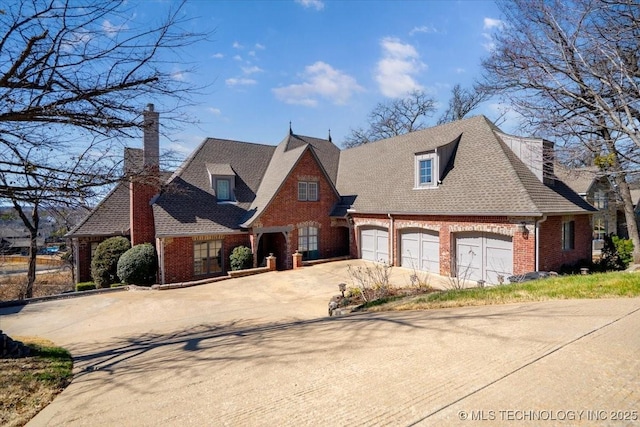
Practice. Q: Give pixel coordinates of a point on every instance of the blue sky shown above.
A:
(322, 64)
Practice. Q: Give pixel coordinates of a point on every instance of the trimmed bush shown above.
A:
(104, 265)
(85, 286)
(138, 265)
(617, 253)
(241, 258)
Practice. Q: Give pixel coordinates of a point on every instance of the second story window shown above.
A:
(223, 189)
(307, 191)
(426, 176)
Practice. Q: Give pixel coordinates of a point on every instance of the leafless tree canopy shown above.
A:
(462, 102)
(572, 70)
(74, 78)
(392, 118)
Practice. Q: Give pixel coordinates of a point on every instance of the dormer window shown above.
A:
(223, 189)
(223, 180)
(426, 170)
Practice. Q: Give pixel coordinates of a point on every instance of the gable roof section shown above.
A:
(109, 218)
(188, 205)
(484, 177)
(579, 180)
(326, 151)
(284, 160)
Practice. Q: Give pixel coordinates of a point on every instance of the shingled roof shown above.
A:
(285, 157)
(579, 180)
(484, 177)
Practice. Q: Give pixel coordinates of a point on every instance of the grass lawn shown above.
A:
(600, 285)
(30, 383)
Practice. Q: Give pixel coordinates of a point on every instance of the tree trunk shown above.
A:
(629, 215)
(31, 272)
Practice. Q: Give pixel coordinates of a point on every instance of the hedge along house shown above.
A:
(458, 199)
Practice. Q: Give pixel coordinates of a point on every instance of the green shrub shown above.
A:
(85, 286)
(138, 265)
(241, 258)
(104, 265)
(117, 285)
(617, 253)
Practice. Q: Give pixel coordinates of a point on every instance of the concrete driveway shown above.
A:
(259, 351)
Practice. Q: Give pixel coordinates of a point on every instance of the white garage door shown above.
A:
(484, 256)
(374, 244)
(420, 249)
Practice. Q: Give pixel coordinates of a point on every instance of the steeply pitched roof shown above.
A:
(484, 176)
(188, 204)
(285, 157)
(109, 218)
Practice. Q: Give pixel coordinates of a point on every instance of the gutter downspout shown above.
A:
(160, 246)
(391, 240)
(537, 243)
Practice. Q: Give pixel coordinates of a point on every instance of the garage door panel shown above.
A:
(484, 256)
(374, 244)
(420, 249)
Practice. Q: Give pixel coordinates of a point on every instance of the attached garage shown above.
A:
(374, 244)
(420, 249)
(483, 256)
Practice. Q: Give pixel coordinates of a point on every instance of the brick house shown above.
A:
(457, 199)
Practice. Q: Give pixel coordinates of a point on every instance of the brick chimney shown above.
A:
(144, 185)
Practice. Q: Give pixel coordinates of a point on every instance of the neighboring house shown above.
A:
(458, 199)
(598, 191)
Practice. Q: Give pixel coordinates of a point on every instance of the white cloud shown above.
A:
(240, 82)
(460, 70)
(491, 23)
(396, 70)
(422, 29)
(316, 4)
(179, 76)
(251, 53)
(259, 46)
(252, 70)
(237, 58)
(214, 111)
(321, 80)
(237, 45)
(110, 29)
(218, 55)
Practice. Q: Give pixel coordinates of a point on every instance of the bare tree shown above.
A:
(395, 117)
(462, 102)
(571, 69)
(74, 77)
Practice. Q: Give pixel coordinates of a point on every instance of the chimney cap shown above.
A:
(150, 107)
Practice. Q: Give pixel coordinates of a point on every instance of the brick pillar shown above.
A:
(297, 260)
(271, 263)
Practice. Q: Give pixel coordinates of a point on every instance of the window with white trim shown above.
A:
(568, 235)
(307, 191)
(223, 190)
(426, 173)
(600, 200)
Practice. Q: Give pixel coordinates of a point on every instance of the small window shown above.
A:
(307, 191)
(223, 189)
(600, 227)
(568, 235)
(426, 170)
(426, 175)
(600, 200)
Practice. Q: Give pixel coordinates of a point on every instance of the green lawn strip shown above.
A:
(31, 383)
(600, 285)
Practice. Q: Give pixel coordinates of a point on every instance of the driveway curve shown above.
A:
(260, 351)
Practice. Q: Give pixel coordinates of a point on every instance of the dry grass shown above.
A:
(601, 285)
(12, 286)
(31, 383)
